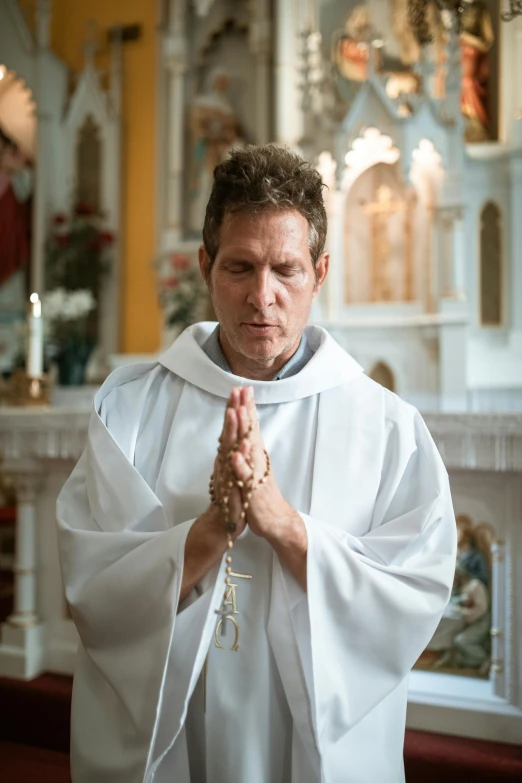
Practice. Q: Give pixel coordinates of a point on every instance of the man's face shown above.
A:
(262, 284)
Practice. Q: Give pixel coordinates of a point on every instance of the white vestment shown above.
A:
(317, 691)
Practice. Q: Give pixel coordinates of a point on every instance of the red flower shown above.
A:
(83, 209)
(59, 219)
(107, 238)
(171, 282)
(180, 262)
(62, 240)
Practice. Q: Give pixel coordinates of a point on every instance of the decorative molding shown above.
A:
(474, 441)
(48, 435)
(466, 441)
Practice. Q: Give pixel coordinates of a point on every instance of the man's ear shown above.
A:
(204, 264)
(321, 270)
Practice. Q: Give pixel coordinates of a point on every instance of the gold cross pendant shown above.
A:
(227, 610)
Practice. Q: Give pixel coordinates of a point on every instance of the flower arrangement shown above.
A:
(78, 254)
(182, 293)
(78, 250)
(66, 311)
(66, 316)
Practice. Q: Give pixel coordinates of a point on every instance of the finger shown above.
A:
(246, 450)
(243, 421)
(241, 467)
(251, 405)
(232, 402)
(229, 429)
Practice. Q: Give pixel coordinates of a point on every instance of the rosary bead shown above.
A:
(228, 559)
(227, 581)
(230, 544)
(245, 505)
(242, 515)
(228, 570)
(240, 484)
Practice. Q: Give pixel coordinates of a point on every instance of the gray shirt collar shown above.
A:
(295, 364)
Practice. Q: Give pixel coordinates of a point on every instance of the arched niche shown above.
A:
(381, 373)
(378, 242)
(490, 265)
(88, 164)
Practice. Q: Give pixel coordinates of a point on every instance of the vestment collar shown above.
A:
(330, 366)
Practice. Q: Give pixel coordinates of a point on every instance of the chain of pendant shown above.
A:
(228, 482)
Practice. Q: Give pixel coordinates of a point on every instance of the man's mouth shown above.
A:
(259, 328)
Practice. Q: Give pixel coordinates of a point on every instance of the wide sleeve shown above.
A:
(122, 568)
(374, 600)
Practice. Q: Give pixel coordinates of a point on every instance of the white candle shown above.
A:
(35, 338)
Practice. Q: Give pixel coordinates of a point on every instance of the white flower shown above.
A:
(62, 305)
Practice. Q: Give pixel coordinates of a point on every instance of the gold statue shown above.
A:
(379, 212)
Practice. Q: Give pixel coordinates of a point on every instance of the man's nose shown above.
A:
(261, 294)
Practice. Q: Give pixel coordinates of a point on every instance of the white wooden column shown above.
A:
(22, 650)
(175, 64)
(24, 613)
(260, 45)
(287, 98)
(40, 91)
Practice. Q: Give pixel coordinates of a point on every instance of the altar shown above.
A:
(483, 455)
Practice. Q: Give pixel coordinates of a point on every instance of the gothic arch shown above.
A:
(382, 373)
(490, 265)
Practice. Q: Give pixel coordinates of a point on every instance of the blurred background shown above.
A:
(113, 115)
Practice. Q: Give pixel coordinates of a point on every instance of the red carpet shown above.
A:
(21, 764)
(34, 742)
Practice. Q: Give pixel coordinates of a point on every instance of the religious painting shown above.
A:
(461, 643)
(490, 265)
(363, 38)
(377, 228)
(17, 138)
(382, 37)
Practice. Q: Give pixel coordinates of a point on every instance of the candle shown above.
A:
(35, 341)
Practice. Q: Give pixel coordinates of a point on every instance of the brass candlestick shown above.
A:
(25, 391)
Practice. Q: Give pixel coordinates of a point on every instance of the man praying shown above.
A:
(258, 541)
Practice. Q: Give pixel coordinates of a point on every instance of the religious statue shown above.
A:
(410, 48)
(462, 637)
(379, 212)
(352, 48)
(476, 39)
(215, 130)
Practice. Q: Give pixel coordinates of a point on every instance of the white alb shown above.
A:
(317, 691)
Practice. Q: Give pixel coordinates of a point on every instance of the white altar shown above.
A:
(483, 454)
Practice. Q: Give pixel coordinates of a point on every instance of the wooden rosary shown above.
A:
(228, 481)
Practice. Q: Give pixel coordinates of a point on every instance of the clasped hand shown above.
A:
(267, 509)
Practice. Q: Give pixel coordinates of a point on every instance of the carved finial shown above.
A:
(91, 42)
(43, 23)
(203, 6)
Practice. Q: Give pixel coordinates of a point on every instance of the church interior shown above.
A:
(113, 115)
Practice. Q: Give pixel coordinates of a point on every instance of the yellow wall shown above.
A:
(140, 318)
